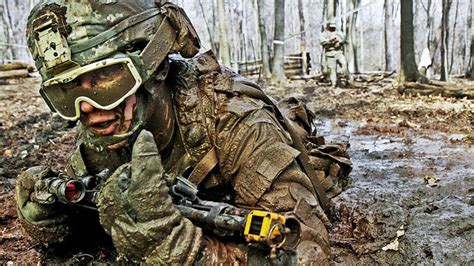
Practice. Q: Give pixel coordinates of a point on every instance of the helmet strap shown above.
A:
(159, 46)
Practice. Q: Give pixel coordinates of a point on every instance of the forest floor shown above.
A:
(411, 194)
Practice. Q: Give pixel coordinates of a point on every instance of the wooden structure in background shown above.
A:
(293, 66)
(14, 71)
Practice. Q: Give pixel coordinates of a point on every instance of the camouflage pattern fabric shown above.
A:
(94, 30)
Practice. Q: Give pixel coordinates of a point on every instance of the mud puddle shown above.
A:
(417, 186)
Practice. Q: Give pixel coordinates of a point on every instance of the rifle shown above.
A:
(256, 226)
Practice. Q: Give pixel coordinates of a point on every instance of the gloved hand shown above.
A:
(136, 210)
(44, 223)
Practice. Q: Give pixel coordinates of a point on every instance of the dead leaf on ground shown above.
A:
(8, 153)
(431, 181)
(395, 243)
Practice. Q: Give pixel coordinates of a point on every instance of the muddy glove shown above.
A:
(44, 223)
(136, 210)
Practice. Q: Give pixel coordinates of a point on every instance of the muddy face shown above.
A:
(109, 122)
(106, 122)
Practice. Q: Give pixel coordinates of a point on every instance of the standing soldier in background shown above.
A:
(332, 42)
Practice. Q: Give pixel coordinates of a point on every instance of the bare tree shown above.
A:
(408, 70)
(453, 45)
(206, 21)
(224, 51)
(472, 41)
(331, 9)
(303, 36)
(353, 51)
(7, 24)
(387, 27)
(257, 46)
(444, 39)
(429, 22)
(263, 40)
(278, 73)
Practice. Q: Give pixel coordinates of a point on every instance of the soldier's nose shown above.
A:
(86, 107)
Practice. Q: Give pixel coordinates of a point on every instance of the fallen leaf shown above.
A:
(392, 246)
(8, 153)
(431, 181)
(401, 231)
(395, 243)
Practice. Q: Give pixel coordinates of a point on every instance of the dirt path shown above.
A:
(396, 143)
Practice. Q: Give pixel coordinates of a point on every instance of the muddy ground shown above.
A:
(413, 170)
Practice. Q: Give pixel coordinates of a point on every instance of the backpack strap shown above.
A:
(204, 167)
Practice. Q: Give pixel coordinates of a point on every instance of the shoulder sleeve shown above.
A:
(258, 161)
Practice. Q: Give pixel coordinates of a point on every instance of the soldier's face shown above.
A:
(107, 122)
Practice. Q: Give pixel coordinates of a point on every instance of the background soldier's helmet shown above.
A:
(331, 25)
(69, 38)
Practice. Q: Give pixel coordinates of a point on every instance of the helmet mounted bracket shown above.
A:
(52, 45)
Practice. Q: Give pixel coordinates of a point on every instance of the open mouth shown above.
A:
(103, 122)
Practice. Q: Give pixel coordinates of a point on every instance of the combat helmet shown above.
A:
(331, 25)
(70, 38)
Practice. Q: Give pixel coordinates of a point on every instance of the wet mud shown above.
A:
(391, 189)
(410, 197)
(413, 173)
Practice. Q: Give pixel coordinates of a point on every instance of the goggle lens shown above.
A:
(103, 88)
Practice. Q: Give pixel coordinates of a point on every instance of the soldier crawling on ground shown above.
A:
(149, 117)
(333, 42)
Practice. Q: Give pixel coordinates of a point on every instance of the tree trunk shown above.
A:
(453, 45)
(351, 31)
(444, 39)
(245, 31)
(257, 45)
(388, 52)
(331, 9)
(224, 52)
(7, 25)
(206, 21)
(303, 37)
(278, 73)
(472, 41)
(323, 27)
(263, 40)
(360, 24)
(408, 70)
(429, 23)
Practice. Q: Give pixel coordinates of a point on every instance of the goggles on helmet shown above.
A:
(103, 84)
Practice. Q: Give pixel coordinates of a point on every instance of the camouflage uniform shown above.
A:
(334, 54)
(221, 122)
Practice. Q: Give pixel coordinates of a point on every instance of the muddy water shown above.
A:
(388, 192)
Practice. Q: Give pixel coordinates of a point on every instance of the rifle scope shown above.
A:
(67, 191)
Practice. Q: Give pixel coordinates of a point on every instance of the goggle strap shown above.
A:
(159, 46)
(46, 99)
